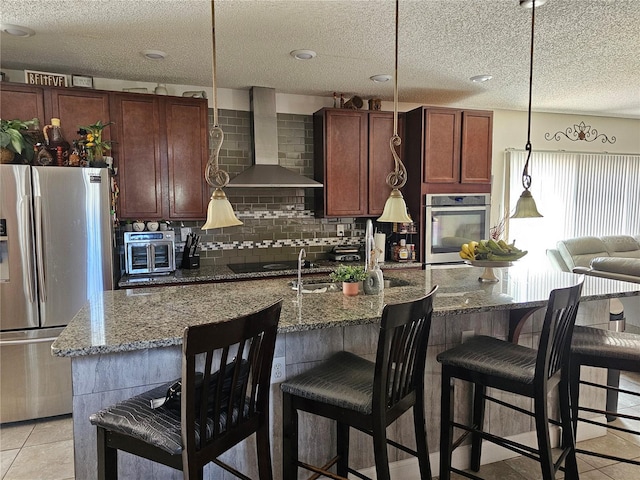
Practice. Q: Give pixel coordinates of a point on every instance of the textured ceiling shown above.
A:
(587, 52)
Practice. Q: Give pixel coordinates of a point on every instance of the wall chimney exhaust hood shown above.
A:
(264, 128)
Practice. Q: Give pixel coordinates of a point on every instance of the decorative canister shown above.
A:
(374, 283)
(152, 226)
(138, 226)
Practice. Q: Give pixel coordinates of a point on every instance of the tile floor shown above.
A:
(43, 450)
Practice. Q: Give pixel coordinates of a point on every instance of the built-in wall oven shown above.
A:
(149, 252)
(452, 220)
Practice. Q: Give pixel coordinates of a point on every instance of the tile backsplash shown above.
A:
(277, 222)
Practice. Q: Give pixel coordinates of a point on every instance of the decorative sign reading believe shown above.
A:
(47, 79)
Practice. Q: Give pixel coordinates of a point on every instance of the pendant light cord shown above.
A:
(398, 178)
(526, 178)
(213, 58)
(214, 176)
(395, 81)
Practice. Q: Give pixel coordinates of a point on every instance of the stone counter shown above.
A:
(128, 341)
(222, 273)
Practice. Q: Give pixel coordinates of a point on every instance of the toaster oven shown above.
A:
(149, 252)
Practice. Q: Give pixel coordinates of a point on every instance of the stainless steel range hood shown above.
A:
(264, 125)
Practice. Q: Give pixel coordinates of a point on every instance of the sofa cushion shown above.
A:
(624, 266)
(622, 246)
(578, 252)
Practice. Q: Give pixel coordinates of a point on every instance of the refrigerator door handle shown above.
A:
(26, 221)
(37, 206)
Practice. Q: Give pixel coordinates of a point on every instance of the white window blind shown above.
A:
(577, 193)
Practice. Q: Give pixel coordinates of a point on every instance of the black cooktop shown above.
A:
(265, 266)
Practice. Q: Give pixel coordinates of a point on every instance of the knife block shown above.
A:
(190, 261)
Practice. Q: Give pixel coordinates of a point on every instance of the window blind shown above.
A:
(577, 193)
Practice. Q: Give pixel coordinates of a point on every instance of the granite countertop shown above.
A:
(222, 273)
(134, 319)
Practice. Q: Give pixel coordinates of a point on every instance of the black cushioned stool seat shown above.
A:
(222, 402)
(368, 396)
(344, 380)
(595, 347)
(488, 362)
(135, 417)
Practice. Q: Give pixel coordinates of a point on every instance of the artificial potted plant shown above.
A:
(13, 141)
(350, 276)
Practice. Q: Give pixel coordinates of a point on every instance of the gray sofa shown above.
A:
(615, 256)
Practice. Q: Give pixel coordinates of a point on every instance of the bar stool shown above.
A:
(209, 416)
(365, 395)
(490, 362)
(596, 347)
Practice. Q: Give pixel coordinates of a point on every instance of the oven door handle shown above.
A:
(468, 208)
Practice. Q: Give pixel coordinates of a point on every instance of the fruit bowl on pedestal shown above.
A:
(488, 275)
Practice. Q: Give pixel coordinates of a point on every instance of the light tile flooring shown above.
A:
(43, 450)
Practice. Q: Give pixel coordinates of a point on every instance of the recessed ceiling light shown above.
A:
(17, 30)
(303, 54)
(154, 54)
(529, 3)
(380, 78)
(481, 78)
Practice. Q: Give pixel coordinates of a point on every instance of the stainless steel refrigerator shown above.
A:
(56, 251)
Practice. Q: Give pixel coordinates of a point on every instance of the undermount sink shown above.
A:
(323, 285)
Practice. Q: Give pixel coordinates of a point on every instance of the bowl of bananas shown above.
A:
(490, 254)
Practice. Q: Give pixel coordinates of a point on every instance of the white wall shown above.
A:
(510, 131)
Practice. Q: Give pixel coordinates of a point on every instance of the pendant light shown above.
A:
(219, 213)
(395, 208)
(526, 206)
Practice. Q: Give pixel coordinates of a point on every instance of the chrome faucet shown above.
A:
(301, 256)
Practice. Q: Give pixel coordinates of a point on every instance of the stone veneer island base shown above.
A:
(125, 342)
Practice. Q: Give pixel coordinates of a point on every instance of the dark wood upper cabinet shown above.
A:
(162, 150)
(340, 162)
(451, 148)
(160, 144)
(477, 142)
(22, 102)
(77, 108)
(352, 159)
(138, 151)
(381, 161)
(187, 131)
(441, 145)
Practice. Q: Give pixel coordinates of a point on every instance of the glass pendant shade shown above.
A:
(526, 206)
(395, 209)
(220, 213)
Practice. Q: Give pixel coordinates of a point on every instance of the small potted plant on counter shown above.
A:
(350, 276)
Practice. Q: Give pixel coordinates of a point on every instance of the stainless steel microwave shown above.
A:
(149, 252)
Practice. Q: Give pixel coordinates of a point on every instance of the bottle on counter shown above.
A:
(403, 251)
(56, 145)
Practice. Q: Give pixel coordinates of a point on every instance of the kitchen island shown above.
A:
(127, 341)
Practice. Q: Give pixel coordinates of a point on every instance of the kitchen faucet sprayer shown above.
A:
(368, 244)
(301, 256)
